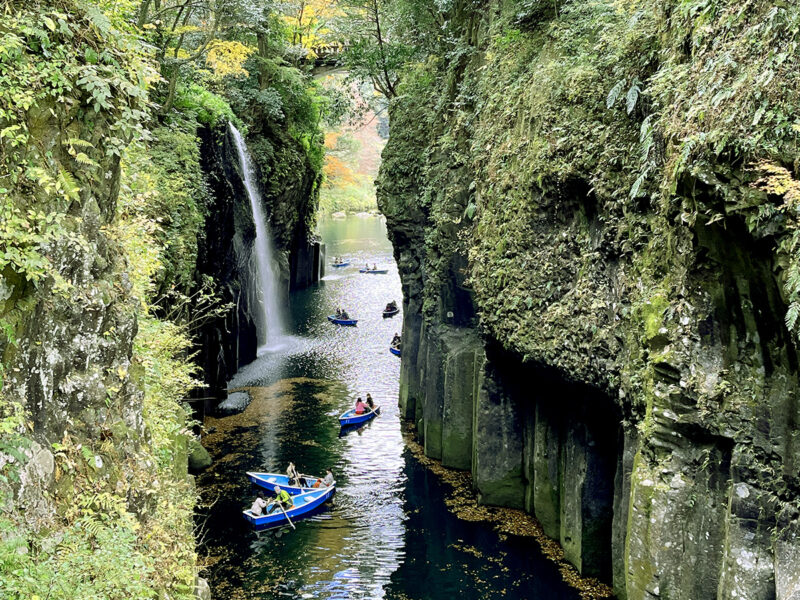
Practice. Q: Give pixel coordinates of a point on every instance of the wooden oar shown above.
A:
(280, 505)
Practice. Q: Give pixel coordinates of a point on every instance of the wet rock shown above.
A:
(35, 478)
(202, 591)
(463, 368)
(199, 458)
(787, 559)
(235, 403)
(497, 463)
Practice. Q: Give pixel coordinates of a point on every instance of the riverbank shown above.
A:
(462, 501)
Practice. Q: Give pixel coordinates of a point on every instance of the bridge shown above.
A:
(327, 55)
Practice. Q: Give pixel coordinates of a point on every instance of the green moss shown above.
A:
(639, 568)
(652, 315)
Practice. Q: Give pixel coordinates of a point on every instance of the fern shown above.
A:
(792, 314)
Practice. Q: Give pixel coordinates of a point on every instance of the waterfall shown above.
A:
(269, 321)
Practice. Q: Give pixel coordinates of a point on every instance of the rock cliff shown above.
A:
(597, 269)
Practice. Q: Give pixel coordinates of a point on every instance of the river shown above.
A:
(388, 533)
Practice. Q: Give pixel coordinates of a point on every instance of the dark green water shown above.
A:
(388, 533)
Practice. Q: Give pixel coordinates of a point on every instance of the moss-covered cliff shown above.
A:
(96, 498)
(604, 190)
(114, 193)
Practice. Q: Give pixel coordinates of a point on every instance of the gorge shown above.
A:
(593, 214)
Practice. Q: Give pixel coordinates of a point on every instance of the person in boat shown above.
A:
(291, 472)
(344, 316)
(361, 408)
(370, 403)
(374, 267)
(282, 500)
(327, 481)
(396, 341)
(259, 505)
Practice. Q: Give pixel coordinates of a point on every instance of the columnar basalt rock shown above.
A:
(638, 386)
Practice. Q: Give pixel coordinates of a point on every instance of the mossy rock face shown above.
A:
(546, 463)
(514, 175)
(199, 458)
(498, 443)
(463, 363)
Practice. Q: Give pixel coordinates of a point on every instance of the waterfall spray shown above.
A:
(269, 320)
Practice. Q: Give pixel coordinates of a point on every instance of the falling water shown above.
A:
(269, 321)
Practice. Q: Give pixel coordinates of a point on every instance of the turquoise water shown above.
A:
(388, 533)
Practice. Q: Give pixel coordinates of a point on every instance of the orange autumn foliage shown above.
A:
(337, 172)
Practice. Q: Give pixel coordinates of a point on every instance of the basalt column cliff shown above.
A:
(594, 207)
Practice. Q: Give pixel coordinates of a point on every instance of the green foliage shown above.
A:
(357, 197)
(93, 559)
(73, 94)
(650, 116)
(210, 109)
(167, 189)
(57, 64)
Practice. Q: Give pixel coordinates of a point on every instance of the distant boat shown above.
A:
(390, 313)
(374, 271)
(395, 351)
(303, 505)
(341, 264)
(338, 321)
(351, 418)
(268, 481)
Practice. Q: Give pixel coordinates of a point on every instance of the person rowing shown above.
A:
(370, 403)
(282, 500)
(396, 340)
(344, 316)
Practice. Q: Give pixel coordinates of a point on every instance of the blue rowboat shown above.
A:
(334, 319)
(268, 481)
(303, 505)
(351, 418)
(395, 351)
(390, 313)
(374, 271)
(344, 264)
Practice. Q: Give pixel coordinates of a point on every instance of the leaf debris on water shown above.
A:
(463, 503)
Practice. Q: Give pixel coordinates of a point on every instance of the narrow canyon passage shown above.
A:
(389, 533)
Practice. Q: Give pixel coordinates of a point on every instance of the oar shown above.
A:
(280, 505)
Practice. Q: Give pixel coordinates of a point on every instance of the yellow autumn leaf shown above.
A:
(226, 58)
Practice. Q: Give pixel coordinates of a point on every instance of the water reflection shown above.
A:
(388, 533)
